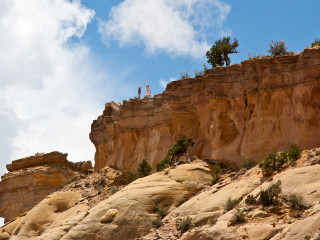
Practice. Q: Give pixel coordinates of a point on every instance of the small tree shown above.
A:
(218, 53)
(278, 48)
(144, 168)
(179, 148)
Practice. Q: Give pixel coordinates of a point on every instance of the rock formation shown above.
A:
(31, 179)
(244, 110)
(77, 213)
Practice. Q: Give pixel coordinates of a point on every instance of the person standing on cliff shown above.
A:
(148, 94)
(139, 92)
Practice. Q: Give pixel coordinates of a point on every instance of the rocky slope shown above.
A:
(247, 109)
(31, 179)
(89, 209)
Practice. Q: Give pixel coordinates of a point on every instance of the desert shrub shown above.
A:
(114, 189)
(157, 223)
(296, 201)
(231, 204)
(144, 168)
(250, 200)
(179, 148)
(268, 196)
(257, 56)
(100, 183)
(131, 177)
(277, 48)
(294, 152)
(281, 159)
(247, 163)
(265, 198)
(273, 162)
(185, 224)
(316, 42)
(161, 211)
(268, 164)
(198, 73)
(215, 179)
(307, 237)
(238, 216)
(185, 75)
(217, 172)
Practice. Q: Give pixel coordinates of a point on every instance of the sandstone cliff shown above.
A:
(31, 179)
(247, 109)
(184, 190)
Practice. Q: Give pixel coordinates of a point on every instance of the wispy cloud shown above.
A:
(174, 27)
(46, 100)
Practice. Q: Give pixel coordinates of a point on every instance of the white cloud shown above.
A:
(177, 27)
(163, 83)
(47, 78)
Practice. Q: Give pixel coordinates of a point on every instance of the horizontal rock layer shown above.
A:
(33, 178)
(244, 110)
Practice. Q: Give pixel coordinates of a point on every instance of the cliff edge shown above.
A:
(244, 110)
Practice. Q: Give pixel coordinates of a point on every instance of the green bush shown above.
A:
(268, 164)
(217, 172)
(185, 75)
(161, 211)
(218, 53)
(178, 149)
(247, 163)
(273, 162)
(185, 224)
(316, 42)
(278, 48)
(157, 223)
(214, 180)
(250, 200)
(296, 201)
(130, 178)
(268, 196)
(238, 216)
(265, 198)
(231, 204)
(144, 168)
(294, 152)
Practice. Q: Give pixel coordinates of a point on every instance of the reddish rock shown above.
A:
(33, 178)
(244, 110)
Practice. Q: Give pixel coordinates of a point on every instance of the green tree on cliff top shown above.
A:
(218, 53)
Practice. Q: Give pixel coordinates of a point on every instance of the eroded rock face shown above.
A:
(31, 179)
(126, 214)
(248, 109)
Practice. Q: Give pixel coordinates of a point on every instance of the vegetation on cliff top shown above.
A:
(218, 53)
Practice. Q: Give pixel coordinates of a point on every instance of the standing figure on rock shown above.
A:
(139, 92)
(148, 90)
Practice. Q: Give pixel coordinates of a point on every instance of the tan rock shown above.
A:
(32, 178)
(248, 109)
(135, 204)
(109, 216)
(58, 208)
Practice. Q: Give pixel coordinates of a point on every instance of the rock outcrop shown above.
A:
(31, 179)
(82, 211)
(244, 110)
(126, 214)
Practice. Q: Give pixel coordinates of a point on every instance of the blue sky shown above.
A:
(60, 61)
